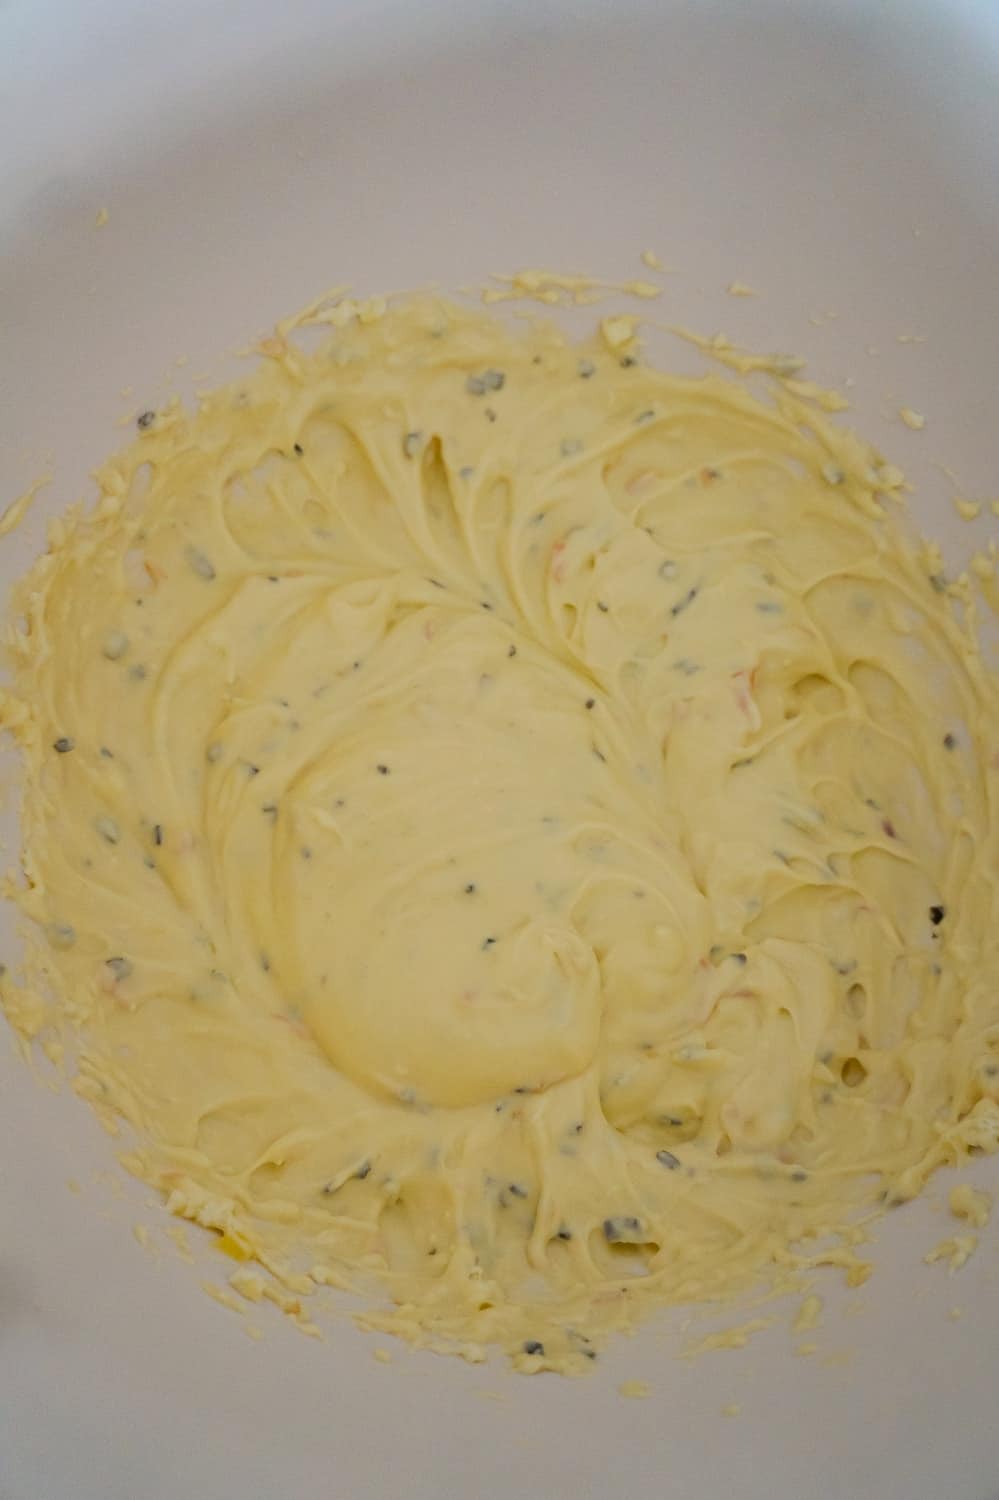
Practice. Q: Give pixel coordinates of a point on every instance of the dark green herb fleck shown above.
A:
(591, 703)
(157, 833)
(299, 449)
(517, 1190)
(489, 942)
(201, 564)
(382, 769)
(685, 602)
(625, 1228)
(145, 419)
(668, 1160)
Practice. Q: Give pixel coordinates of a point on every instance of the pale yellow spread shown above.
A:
(512, 831)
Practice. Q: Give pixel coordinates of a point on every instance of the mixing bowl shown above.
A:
(174, 178)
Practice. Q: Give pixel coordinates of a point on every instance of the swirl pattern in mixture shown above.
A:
(510, 830)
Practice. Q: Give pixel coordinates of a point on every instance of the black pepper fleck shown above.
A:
(532, 1346)
(145, 419)
(937, 914)
(64, 744)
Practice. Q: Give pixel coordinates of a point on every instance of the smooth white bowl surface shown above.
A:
(837, 157)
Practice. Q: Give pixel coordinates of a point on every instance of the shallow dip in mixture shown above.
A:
(513, 831)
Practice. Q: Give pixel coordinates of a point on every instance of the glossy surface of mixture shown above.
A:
(513, 831)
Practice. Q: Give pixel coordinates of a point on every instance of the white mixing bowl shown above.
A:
(839, 157)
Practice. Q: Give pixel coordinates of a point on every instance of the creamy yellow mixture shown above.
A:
(514, 832)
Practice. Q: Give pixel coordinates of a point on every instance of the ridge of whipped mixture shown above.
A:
(510, 831)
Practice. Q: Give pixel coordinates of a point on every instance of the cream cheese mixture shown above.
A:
(512, 832)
